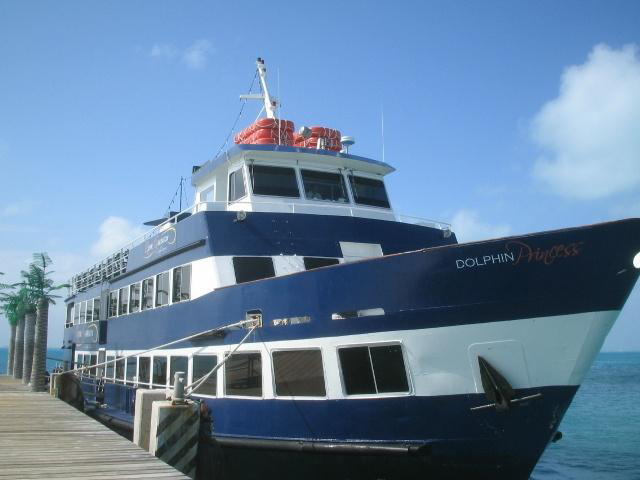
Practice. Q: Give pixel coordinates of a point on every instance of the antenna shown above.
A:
(382, 125)
(270, 103)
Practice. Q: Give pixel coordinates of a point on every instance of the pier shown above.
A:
(43, 437)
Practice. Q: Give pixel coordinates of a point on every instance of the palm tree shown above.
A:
(30, 283)
(43, 287)
(9, 304)
(18, 305)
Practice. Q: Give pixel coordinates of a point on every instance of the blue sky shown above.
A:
(490, 109)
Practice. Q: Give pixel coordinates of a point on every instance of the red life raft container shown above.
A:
(267, 131)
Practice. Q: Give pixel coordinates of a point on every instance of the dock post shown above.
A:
(175, 426)
(142, 419)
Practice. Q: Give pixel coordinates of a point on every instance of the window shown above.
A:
(160, 370)
(162, 289)
(280, 322)
(93, 360)
(134, 298)
(208, 194)
(243, 375)
(131, 369)
(110, 366)
(123, 301)
(178, 364)
(299, 373)
(181, 283)
(316, 262)
(378, 369)
(120, 370)
(365, 312)
(89, 314)
(253, 268)
(236, 185)
(275, 181)
(369, 191)
(144, 369)
(147, 293)
(76, 314)
(203, 364)
(96, 309)
(69, 320)
(113, 303)
(324, 186)
(83, 311)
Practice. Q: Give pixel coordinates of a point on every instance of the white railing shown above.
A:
(116, 263)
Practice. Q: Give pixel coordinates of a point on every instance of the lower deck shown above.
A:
(43, 437)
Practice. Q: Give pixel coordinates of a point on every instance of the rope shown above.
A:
(184, 339)
(193, 386)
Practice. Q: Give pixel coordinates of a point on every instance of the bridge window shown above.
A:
(208, 194)
(120, 366)
(181, 283)
(253, 268)
(299, 373)
(203, 364)
(324, 186)
(69, 319)
(134, 298)
(159, 371)
(369, 191)
(373, 369)
(83, 312)
(243, 375)
(162, 289)
(147, 293)
(274, 181)
(236, 185)
(76, 314)
(113, 303)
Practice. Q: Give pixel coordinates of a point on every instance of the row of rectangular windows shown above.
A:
(140, 295)
(366, 369)
(317, 185)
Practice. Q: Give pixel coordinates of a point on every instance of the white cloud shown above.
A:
(194, 56)
(115, 232)
(17, 208)
(591, 131)
(468, 227)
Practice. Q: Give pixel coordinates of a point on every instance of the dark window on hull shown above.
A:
(162, 289)
(324, 186)
(147, 293)
(316, 262)
(110, 367)
(203, 364)
(96, 309)
(181, 283)
(144, 368)
(299, 373)
(252, 268)
(131, 369)
(134, 298)
(120, 365)
(375, 369)
(160, 370)
(369, 191)
(178, 364)
(243, 375)
(123, 302)
(113, 303)
(274, 181)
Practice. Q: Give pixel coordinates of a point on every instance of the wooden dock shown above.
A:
(43, 437)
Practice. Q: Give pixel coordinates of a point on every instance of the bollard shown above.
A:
(178, 387)
(142, 418)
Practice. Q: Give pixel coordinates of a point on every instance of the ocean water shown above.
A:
(51, 353)
(601, 428)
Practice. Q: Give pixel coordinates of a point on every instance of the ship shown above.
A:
(328, 336)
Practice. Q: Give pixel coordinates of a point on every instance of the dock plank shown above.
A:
(43, 437)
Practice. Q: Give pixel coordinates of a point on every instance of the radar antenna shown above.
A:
(270, 103)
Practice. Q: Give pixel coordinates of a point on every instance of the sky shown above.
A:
(501, 117)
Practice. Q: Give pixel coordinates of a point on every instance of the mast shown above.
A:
(270, 103)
